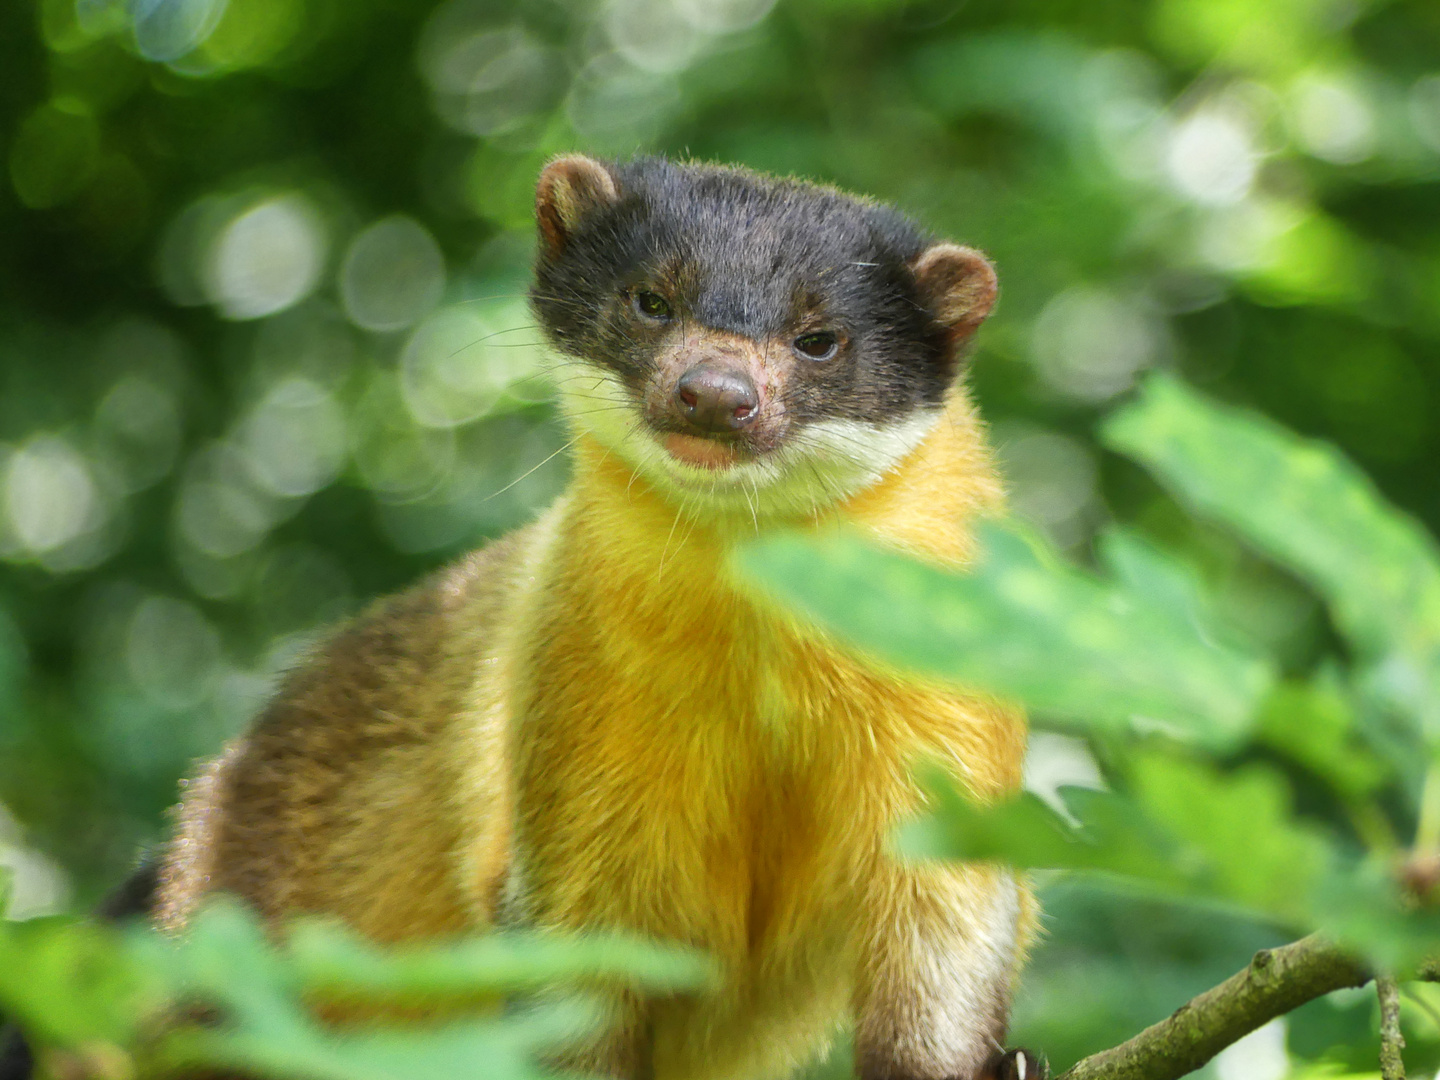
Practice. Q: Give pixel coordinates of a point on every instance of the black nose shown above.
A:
(713, 400)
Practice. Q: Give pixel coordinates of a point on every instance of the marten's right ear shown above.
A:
(570, 188)
(958, 285)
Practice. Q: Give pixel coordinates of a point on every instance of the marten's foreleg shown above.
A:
(620, 1046)
(933, 992)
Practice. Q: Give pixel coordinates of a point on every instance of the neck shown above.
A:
(926, 505)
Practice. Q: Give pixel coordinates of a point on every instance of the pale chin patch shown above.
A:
(817, 466)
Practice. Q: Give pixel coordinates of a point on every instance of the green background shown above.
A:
(264, 353)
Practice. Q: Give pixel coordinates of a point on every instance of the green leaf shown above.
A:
(71, 982)
(1183, 828)
(262, 994)
(502, 1049)
(1024, 626)
(1028, 835)
(1362, 905)
(227, 961)
(1311, 510)
(327, 954)
(1313, 725)
(1143, 568)
(1237, 838)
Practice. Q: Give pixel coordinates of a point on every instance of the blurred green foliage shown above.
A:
(264, 354)
(115, 1003)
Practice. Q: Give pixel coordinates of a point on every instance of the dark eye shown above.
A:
(652, 305)
(820, 345)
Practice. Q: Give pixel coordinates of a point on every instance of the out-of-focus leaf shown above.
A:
(1022, 625)
(1237, 838)
(72, 983)
(1027, 834)
(226, 960)
(1144, 569)
(329, 955)
(1312, 725)
(1307, 507)
(13, 664)
(1361, 904)
(1023, 832)
(1033, 77)
(1184, 829)
(502, 1050)
(1271, 37)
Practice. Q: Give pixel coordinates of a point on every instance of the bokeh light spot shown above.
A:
(1260, 1055)
(1089, 344)
(1212, 157)
(266, 259)
(617, 105)
(1424, 108)
(487, 81)
(392, 276)
(399, 459)
(458, 362)
(653, 35)
(50, 494)
(253, 32)
(1333, 120)
(1051, 478)
(293, 442)
(138, 425)
(166, 30)
(724, 16)
(219, 512)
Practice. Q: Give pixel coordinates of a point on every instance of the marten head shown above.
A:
(748, 343)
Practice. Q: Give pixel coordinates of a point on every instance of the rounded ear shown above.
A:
(570, 188)
(958, 285)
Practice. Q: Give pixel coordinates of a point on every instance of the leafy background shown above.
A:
(263, 350)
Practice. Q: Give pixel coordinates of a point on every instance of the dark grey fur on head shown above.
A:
(736, 251)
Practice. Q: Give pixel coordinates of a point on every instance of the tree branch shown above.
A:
(1392, 1065)
(1276, 981)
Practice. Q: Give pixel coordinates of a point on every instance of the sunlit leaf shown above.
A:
(1022, 625)
(1307, 507)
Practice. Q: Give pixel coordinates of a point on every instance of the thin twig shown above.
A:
(1276, 981)
(1392, 1065)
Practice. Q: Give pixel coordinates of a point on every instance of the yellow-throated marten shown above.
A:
(589, 724)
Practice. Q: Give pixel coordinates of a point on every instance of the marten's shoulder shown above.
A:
(299, 813)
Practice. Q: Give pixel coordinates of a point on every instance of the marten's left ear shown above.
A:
(570, 188)
(958, 285)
